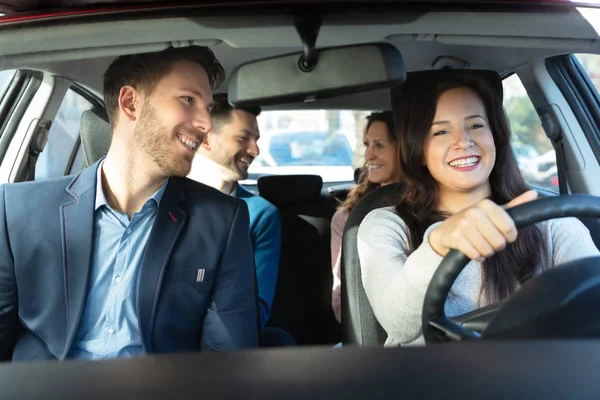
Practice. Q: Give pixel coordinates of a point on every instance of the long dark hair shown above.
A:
(364, 186)
(418, 206)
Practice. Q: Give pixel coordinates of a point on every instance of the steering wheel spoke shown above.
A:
(447, 330)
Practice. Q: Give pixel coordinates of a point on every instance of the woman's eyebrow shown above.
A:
(466, 118)
(474, 116)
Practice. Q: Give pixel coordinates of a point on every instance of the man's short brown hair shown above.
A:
(221, 112)
(143, 71)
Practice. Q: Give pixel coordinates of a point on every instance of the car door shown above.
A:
(39, 138)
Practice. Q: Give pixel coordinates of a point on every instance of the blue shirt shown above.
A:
(265, 233)
(109, 325)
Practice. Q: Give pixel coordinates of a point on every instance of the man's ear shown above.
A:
(208, 139)
(129, 103)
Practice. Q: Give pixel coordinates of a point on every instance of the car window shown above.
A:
(323, 142)
(5, 78)
(591, 65)
(533, 149)
(310, 148)
(63, 138)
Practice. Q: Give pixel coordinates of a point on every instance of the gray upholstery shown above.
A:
(95, 134)
(359, 324)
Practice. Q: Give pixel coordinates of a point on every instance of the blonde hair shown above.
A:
(364, 186)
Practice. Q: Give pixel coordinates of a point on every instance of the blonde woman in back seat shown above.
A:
(459, 167)
(382, 167)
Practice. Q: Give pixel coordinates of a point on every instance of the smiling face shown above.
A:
(235, 144)
(381, 155)
(459, 149)
(175, 119)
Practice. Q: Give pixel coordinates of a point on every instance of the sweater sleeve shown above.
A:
(395, 283)
(570, 240)
(338, 222)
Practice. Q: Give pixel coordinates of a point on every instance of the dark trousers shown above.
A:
(275, 337)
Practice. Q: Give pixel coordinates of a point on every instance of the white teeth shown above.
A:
(188, 143)
(244, 161)
(464, 162)
(374, 166)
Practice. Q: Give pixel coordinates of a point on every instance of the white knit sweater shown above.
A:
(396, 284)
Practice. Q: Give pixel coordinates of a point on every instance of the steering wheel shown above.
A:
(534, 310)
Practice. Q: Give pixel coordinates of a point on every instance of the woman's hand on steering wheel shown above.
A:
(480, 230)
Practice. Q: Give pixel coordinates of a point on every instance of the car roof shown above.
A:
(23, 6)
(499, 38)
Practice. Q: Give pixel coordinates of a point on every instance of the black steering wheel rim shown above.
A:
(436, 325)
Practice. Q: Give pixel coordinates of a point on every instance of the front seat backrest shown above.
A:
(95, 134)
(359, 325)
(302, 304)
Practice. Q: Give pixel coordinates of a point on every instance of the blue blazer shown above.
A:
(45, 261)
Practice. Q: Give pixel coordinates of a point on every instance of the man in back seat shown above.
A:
(221, 161)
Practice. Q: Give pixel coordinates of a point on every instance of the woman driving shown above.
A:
(461, 176)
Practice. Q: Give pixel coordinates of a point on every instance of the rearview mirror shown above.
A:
(338, 71)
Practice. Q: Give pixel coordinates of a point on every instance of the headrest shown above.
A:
(95, 134)
(290, 189)
(357, 173)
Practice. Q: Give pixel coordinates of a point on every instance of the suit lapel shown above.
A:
(170, 219)
(77, 227)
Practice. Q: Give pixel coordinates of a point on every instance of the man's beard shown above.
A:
(234, 173)
(154, 139)
(240, 174)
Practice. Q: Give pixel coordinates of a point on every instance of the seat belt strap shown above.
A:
(37, 145)
(561, 166)
(555, 134)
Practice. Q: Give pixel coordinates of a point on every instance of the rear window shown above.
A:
(328, 143)
(309, 149)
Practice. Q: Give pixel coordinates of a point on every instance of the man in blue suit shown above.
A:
(129, 257)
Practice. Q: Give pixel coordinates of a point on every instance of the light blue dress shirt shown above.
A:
(109, 325)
